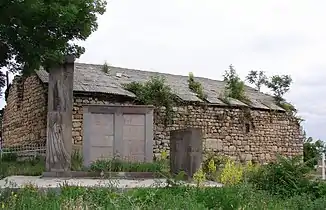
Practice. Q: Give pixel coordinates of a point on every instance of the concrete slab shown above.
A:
(48, 183)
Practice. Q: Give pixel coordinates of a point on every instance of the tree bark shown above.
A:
(59, 123)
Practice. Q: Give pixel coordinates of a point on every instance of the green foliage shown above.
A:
(213, 164)
(105, 68)
(288, 107)
(34, 33)
(286, 177)
(312, 151)
(243, 197)
(249, 169)
(196, 87)
(279, 85)
(199, 177)
(154, 92)
(116, 165)
(258, 78)
(9, 165)
(172, 180)
(76, 161)
(235, 88)
(8, 155)
(232, 173)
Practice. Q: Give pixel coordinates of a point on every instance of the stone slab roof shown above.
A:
(91, 78)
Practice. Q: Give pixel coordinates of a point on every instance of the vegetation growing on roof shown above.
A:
(279, 85)
(235, 87)
(105, 67)
(154, 92)
(196, 87)
(258, 78)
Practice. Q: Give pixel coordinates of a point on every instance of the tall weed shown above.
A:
(116, 165)
(243, 197)
(213, 165)
(232, 173)
(286, 176)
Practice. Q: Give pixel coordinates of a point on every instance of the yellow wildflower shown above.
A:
(164, 155)
(211, 166)
(199, 176)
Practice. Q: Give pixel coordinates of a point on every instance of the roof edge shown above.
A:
(43, 76)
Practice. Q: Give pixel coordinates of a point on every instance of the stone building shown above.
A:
(244, 132)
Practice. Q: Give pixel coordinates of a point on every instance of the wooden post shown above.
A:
(59, 122)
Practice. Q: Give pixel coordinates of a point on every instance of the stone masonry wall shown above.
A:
(237, 133)
(243, 136)
(257, 135)
(24, 120)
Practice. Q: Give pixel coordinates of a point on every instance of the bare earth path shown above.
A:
(50, 183)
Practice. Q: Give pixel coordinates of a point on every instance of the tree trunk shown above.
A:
(59, 124)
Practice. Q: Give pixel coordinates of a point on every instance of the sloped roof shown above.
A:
(91, 78)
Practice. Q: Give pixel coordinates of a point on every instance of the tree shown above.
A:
(279, 85)
(256, 78)
(235, 88)
(312, 151)
(39, 33)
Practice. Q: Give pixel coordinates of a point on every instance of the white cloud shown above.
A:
(205, 36)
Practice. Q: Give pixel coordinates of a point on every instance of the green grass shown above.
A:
(237, 197)
(115, 165)
(10, 165)
(280, 185)
(33, 167)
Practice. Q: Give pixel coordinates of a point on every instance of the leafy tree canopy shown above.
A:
(41, 32)
(312, 150)
(279, 84)
(258, 78)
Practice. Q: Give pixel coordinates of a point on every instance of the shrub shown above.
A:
(196, 87)
(30, 167)
(232, 173)
(213, 164)
(154, 92)
(249, 170)
(212, 167)
(286, 176)
(235, 87)
(105, 68)
(312, 151)
(9, 156)
(199, 176)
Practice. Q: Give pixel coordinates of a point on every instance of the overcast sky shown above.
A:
(206, 36)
